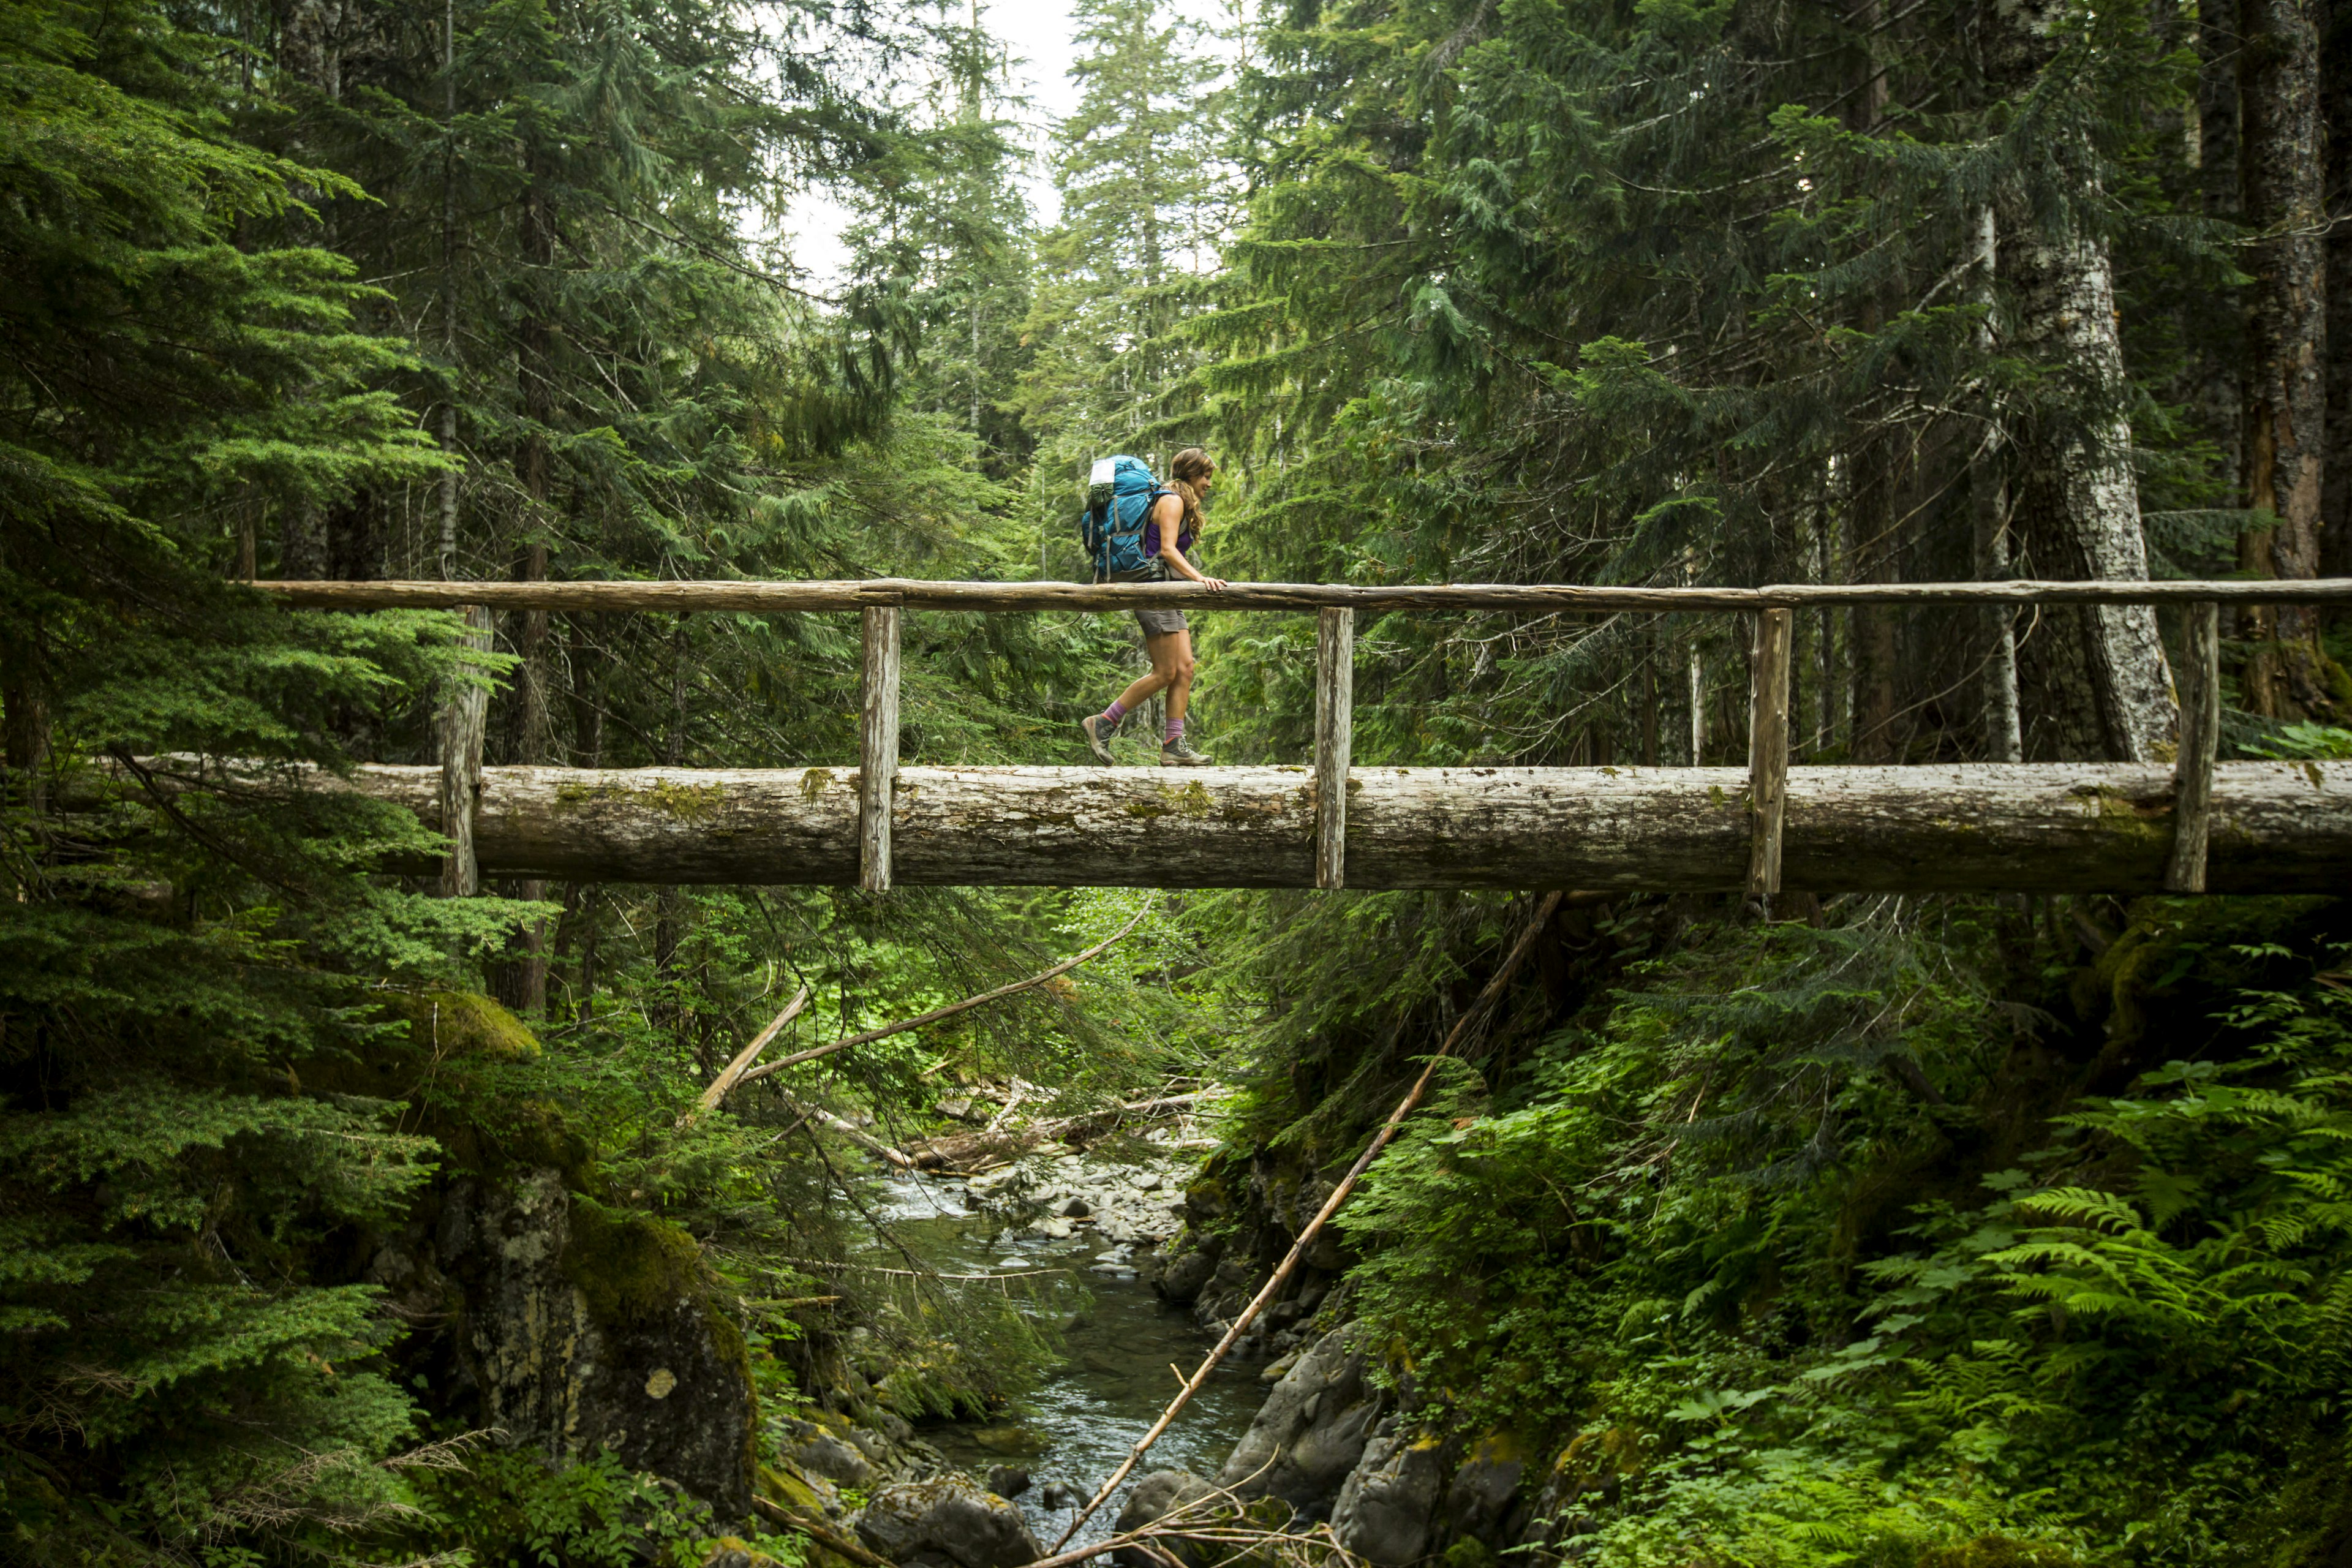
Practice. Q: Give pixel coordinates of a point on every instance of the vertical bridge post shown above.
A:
(1335, 704)
(1768, 755)
(2200, 742)
(877, 746)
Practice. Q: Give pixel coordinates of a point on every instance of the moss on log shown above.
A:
(2027, 828)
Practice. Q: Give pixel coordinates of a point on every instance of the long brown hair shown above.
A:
(1186, 469)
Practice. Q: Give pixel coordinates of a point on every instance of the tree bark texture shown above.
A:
(2283, 186)
(2192, 770)
(459, 780)
(1335, 709)
(877, 743)
(2093, 684)
(1977, 826)
(2336, 108)
(794, 597)
(1768, 752)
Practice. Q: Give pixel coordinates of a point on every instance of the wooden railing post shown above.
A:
(877, 746)
(464, 718)
(1335, 704)
(1767, 753)
(2200, 742)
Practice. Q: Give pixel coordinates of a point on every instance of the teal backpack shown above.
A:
(1119, 493)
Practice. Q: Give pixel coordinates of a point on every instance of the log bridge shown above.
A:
(2191, 826)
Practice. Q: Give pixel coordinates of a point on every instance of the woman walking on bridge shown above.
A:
(1172, 522)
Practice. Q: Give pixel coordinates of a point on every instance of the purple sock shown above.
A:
(1175, 731)
(1114, 713)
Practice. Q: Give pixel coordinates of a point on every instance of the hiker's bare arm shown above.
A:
(1169, 514)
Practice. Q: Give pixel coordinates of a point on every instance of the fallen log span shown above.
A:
(2017, 827)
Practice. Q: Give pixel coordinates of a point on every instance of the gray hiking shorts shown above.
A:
(1155, 623)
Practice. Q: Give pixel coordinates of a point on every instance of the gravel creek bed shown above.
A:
(1099, 1220)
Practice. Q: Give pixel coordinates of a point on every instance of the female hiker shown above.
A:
(1172, 524)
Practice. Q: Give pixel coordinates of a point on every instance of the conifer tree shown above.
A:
(1130, 262)
(1735, 297)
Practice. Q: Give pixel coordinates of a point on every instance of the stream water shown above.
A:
(1113, 1381)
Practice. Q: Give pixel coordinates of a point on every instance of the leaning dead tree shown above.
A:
(740, 1070)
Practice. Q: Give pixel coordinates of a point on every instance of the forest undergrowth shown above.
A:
(1929, 1231)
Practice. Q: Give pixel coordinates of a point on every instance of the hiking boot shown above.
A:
(1179, 753)
(1097, 740)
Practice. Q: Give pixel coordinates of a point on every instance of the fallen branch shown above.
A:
(821, 1535)
(1012, 1098)
(1486, 997)
(744, 1058)
(1194, 1521)
(952, 1008)
(855, 1133)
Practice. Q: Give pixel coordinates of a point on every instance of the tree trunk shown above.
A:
(2335, 479)
(1989, 514)
(2219, 393)
(667, 904)
(582, 901)
(459, 739)
(2283, 188)
(522, 980)
(1871, 525)
(1873, 464)
(2092, 683)
(1983, 826)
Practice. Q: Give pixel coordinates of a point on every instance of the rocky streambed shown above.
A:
(1168, 1253)
(975, 1492)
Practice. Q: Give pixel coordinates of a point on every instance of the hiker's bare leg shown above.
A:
(1178, 646)
(1172, 671)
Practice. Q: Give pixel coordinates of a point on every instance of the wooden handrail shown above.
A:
(882, 600)
(781, 597)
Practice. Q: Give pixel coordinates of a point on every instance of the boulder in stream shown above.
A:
(1385, 1511)
(1153, 1499)
(1310, 1432)
(948, 1522)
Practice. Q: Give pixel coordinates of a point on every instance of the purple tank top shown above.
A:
(1151, 528)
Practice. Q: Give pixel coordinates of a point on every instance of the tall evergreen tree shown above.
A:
(1131, 261)
(1569, 294)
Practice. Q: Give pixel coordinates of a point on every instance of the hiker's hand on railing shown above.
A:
(1213, 584)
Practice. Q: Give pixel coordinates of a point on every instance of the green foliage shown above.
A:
(2324, 742)
(517, 1510)
(1807, 1246)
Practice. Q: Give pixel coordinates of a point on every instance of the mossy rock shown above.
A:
(1209, 1197)
(1997, 1551)
(636, 1272)
(2176, 962)
(453, 1055)
(446, 1024)
(630, 1269)
(734, 1552)
(789, 1490)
